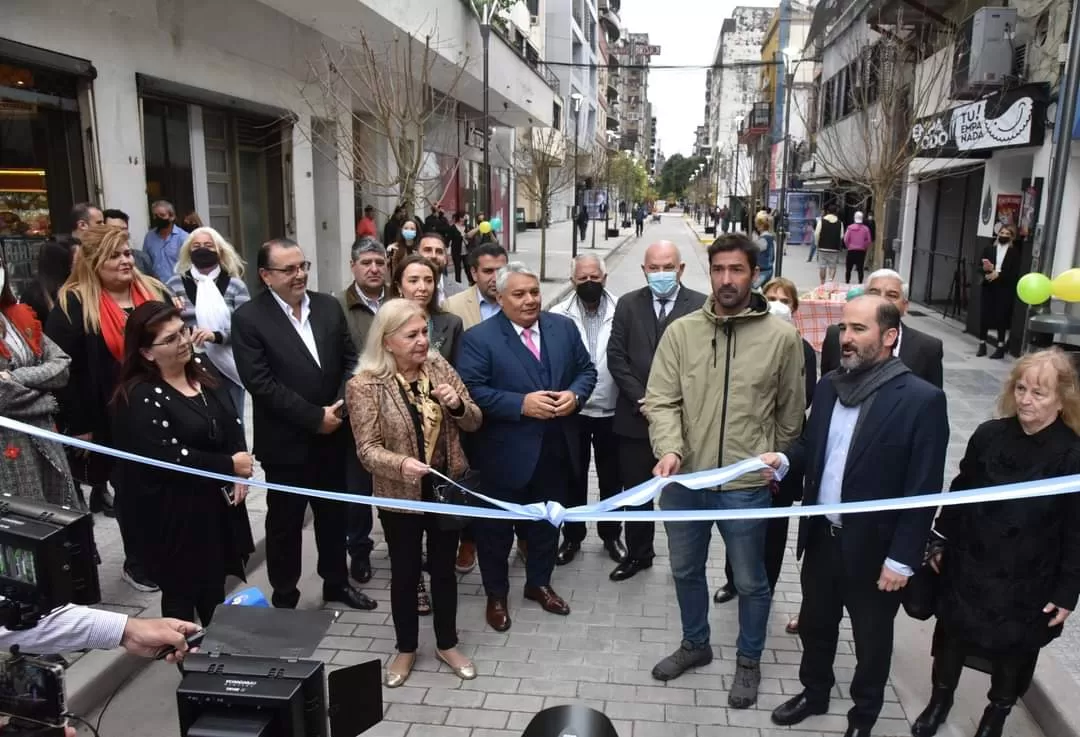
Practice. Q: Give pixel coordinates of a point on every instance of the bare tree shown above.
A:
(892, 78)
(543, 164)
(381, 105)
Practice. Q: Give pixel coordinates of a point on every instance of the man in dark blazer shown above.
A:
(640, 319)
(530, 373)
(876, 431)
(294, 354)
(920, 352)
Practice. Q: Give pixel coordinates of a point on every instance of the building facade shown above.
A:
(636, 119)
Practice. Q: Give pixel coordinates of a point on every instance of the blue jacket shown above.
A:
(499, 371)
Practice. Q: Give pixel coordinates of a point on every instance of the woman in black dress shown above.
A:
(1010, 571)
(1000, 271)
(170, 407)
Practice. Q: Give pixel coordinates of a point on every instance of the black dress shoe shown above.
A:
(101, 501)
(853, 731)
(566, 553)
(346, 594)
(725, 594)
(360, 570)
(285, 600)
(933, 716)
(796, 709)
(629, 568)
(999, 352)
(616, 549)
(982, 350)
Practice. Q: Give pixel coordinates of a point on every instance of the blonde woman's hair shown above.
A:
(763, 222)
(97, 244)
(230, 260)
(390, 318)
(1068, 386)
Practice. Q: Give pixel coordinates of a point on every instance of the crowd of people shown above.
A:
(409, 377)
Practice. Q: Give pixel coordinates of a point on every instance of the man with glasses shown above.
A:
(294, 353)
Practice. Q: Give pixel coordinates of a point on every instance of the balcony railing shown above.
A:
(757, 122)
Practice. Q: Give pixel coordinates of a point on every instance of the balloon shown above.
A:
(496, 224)
(854, 292)
(485, 227)
(1035, 288)
(1066, 286)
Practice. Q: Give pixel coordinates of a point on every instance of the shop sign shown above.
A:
(1006, 120)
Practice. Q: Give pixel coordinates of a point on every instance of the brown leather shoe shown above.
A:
(498, 617)
(548, 599)
(466, 557)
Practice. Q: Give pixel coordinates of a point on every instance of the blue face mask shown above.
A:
(663, 283)
(408, 234)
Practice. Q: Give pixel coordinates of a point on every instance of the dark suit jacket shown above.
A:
(920, 352)
(898, 450)
(445, 337)
(288, 389)
(634, 337)
(499, 371)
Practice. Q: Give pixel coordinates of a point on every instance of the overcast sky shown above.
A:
(686, 31)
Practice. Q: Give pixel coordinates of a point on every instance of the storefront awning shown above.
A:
(41, 58)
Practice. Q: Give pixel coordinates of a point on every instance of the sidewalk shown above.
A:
(972, 386)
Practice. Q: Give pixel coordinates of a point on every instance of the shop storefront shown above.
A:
(42, 170)
(974, 172)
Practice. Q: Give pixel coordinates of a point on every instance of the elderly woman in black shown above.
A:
(1010, 571)
(170, 407)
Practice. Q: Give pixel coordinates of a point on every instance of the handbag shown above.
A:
(920, 596)
(444, 492)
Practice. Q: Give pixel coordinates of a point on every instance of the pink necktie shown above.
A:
(534, 349)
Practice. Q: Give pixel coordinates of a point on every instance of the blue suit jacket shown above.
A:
(898, 450)
(499, 371)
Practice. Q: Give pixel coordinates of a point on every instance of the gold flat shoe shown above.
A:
(393, 679)
(466, 672)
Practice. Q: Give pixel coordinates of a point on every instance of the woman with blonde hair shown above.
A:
(1010, 570)
(209, 284)
(88, 323)
(408, 408)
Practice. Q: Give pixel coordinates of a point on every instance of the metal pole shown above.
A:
(1060, 165)
(577, 140)
(485, 34)
(789, 80)
(736, 187)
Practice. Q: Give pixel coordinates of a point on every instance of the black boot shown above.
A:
(945, 675)
(993, 720)
(999, 352)
(982, 350)
(933, 716)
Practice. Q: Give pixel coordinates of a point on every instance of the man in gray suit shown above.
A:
(640, 319)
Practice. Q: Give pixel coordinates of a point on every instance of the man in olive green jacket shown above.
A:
(726, 384)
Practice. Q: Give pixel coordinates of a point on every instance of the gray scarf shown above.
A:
(854, 387)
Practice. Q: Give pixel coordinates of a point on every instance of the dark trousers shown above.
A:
(404, 538)
(855, 260)
(184, 604)
(1010, 674)
(325, 470)
(127, 503)
(636, 464)
(459, 262)
(596, 434)
(639, 227)
(359, 517)
(828, 589)
(995, 311)
(776, 533)
(583, 229)
(550, 481)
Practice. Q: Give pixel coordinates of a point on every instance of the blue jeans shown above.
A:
(688, 546)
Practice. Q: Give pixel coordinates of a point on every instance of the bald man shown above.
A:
(876, 431)
(640, 319)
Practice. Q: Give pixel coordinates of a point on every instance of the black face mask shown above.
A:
(160, 223)
(204, 258)
(590, 292)
(1003, 239)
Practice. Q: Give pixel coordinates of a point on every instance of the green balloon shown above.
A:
(1034, 288)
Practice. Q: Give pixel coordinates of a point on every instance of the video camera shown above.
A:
(46, 561)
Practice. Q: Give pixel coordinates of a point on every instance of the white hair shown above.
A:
(889, 274)
(514, 267)
(585, 258)
(230, 260)
(391, 317)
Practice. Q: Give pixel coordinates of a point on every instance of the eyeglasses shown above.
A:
(174, 339)
(292, 269)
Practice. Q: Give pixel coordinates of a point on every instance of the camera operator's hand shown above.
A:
(146, 637)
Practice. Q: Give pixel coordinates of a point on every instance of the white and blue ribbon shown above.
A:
(607, 510)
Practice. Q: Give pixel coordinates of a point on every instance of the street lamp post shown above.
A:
(611, 136)
(576, 98)
(735, 193)
(790, 66)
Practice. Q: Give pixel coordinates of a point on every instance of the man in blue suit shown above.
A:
(530, 373)
(876, 431)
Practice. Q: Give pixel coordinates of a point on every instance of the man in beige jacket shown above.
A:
(726, 384)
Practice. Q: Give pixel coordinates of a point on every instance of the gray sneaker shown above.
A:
(747, 679)
(686, 657)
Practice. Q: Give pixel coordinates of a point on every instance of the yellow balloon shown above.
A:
(485, 227)
(1067, 286)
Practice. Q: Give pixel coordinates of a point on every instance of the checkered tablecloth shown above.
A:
(814, 317)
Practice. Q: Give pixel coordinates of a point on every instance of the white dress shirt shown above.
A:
(899, 337)
(999, 255)
(669, 302)
(69, 628)
(303, 325)
(535, 329)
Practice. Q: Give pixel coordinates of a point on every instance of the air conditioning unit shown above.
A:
(534, 20)
(983, 52)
